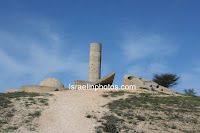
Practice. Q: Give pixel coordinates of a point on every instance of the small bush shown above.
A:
(35, 114)
(12, 128)
(141, 118)
(189, 92)
(104, 95)
(110, 127)
(173, 127)
(88, 116)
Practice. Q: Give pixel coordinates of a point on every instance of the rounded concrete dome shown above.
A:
(52, 82)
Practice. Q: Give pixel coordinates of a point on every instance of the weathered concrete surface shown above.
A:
(52, 82)
(95, 62)
(39, 89)
(80, 82)
(142, 83)
(107, 80)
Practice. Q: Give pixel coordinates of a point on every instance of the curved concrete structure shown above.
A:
(51, 82)
(95, 62)
(107, 80)
(142, 83)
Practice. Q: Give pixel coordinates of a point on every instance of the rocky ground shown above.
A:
(138, 111)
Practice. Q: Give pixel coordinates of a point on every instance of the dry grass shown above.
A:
(144, 112)
(19, 109)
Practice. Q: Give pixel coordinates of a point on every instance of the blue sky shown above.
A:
(44, 38)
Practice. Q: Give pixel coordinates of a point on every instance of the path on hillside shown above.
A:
(67, 112)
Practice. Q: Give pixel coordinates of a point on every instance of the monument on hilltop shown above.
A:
(53, 84)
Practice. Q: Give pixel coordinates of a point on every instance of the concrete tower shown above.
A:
(95, 62)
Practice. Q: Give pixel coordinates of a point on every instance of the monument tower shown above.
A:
(95, 62)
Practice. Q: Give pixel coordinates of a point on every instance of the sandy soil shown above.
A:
(68, 109)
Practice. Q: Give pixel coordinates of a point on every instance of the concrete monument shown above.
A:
(95, 62)
(142, 83)
(95, 68)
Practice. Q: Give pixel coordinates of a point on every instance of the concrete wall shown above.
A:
(11, 90)
(95, 62)
(142, 83)
(35, 88)
(80, 82)
(130, 80)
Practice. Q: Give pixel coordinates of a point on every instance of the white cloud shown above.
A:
(158, 68)
(150, 46)
(7, 62)
(35, 59)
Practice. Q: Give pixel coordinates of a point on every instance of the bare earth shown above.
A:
(67, 112)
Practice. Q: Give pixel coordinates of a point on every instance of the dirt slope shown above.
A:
(67, 112)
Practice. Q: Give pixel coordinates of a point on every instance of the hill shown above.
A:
(99, 111)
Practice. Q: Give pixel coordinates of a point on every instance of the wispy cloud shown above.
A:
(146, 46)
(32, 59)
(145, 52)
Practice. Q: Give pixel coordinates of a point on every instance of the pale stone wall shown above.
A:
(142, 83)
(95, 62)
(11, 90)
(80, 82)
(35, 88)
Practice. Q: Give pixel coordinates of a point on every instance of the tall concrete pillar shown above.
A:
(95, 62)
